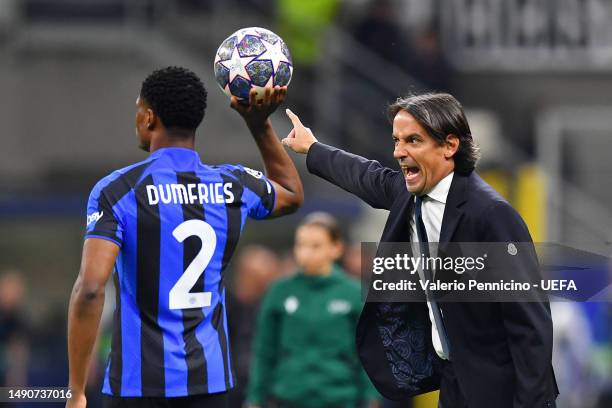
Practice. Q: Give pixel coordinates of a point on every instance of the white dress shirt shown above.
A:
(432, 212)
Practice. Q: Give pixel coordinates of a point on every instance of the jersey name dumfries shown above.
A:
(211, 193)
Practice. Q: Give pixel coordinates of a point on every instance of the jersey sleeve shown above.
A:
(102, 221)
(258, 194)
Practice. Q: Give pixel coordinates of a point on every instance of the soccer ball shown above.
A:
(252, 58)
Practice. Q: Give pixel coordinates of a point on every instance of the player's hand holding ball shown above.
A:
(257, 112)
(300, 138)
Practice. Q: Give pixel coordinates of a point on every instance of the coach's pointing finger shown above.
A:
(300, 138)
(294, 118)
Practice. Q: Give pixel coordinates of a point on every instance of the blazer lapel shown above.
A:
(397, 228)
(452, 212)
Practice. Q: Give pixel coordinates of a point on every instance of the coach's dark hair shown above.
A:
(441, 114)
(177, 96)
(326, 221)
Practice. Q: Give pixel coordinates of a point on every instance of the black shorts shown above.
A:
(218, 400)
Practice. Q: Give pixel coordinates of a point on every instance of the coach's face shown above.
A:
(422, 159)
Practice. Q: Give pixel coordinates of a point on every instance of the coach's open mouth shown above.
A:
(411, 173)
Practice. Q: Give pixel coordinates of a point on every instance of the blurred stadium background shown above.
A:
(534, 75)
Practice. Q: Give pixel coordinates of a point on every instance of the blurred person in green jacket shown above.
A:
(302, 25)
(304, 352)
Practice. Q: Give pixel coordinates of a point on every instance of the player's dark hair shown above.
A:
(177, 96)
(325, 221)
(441, 114)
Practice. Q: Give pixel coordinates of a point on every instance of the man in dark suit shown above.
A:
(480, 355)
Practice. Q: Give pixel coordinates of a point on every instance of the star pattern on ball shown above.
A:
(274, 53)
(252, 58)
(236, 65)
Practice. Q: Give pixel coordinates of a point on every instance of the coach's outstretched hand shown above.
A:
(257, 112)
(300, 138)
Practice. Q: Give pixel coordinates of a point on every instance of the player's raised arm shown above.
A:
(86, 304)
(279, 167)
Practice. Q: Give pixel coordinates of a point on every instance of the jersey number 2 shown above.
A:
(181, 296)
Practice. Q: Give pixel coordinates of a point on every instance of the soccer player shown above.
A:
(165, 229)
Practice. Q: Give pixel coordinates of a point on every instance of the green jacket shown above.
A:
(304, 348)
(302, 25)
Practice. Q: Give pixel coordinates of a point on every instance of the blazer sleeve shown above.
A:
(528, 324)
(367, 179)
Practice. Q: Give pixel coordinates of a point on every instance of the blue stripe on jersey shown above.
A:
(171, 320)
(229, 360)
(253, 211)
(216, 216)
(130, 312)
(103, 226)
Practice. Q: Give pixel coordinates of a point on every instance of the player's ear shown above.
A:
(151, 119)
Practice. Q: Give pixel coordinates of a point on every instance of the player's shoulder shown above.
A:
(128, 175)
(233, 171)
(238, 171)
(253, 180)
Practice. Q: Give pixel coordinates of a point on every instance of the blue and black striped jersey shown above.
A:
(177, 222)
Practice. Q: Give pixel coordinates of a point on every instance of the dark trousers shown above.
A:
(218, 400)
(450, 393)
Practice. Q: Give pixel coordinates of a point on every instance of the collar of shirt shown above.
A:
(173, 150)
(440, 190)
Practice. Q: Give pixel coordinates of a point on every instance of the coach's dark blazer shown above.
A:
(501, 352)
